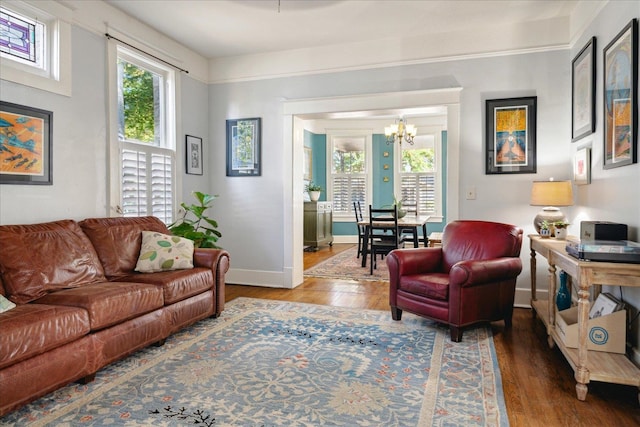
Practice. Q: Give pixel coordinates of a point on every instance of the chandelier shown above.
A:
(398, 131)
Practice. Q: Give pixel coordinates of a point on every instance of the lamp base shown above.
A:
(549, 214)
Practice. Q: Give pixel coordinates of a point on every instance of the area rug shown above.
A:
(345, 266)
(274, 363)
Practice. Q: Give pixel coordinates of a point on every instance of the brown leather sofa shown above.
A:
(470, 279)
(81, 305)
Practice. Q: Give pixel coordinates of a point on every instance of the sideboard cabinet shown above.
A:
(318, 224)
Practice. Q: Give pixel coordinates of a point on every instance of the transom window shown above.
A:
(21, 38)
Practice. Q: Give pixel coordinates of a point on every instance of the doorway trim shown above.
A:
(294, 114)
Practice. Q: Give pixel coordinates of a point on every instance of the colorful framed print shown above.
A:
(582, 166)
(583, 92)
(243, 147)
(620, 134)
(510, 135)
(25, 145)
(194, 155)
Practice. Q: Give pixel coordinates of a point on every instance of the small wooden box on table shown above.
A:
(587, 365)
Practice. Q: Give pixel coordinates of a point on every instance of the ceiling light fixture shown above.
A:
(400, 130)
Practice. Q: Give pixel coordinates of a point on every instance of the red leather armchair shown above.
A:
(470, 279)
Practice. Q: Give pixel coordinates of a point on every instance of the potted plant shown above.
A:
(545, 229)
(560, 229)
(398, 204)
(314, 191)
(201, 229)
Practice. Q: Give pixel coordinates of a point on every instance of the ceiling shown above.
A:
(227, 28)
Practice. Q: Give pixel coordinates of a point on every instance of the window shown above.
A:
(22, 39)
(35, 45)
(418, 177)
(349, 179)
(145, 137)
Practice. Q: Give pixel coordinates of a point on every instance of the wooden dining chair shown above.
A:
(384, 235)
(362, 229)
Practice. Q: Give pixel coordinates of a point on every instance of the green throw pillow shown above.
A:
(5, 304)
(161, 252)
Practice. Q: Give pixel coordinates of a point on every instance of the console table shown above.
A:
(587, 365)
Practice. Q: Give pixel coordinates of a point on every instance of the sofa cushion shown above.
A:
(117, 241)
(39, 258)
(109, 303)
(177, 285)
(32, 329)
(162, 252)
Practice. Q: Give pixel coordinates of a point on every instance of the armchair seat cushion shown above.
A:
(433, 286)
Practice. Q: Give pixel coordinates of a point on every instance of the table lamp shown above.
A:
(550, 194)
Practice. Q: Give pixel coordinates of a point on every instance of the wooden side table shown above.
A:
(587, 365)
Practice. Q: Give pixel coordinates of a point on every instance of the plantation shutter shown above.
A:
(348, 188)
(419, 190)
(137, 166)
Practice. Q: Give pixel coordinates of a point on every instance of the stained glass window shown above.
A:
(21, 38)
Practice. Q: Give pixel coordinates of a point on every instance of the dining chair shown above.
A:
(362, 229)
(384, 234)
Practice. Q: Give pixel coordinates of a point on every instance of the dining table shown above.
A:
(416, 222)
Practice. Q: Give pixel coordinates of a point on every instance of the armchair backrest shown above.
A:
(479, 240)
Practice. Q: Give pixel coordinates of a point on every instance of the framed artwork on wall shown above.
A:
(308, 162)
(582, 166)
(194, 155)
(510, 135)
(243, 147)
(620, 134)
(25, 145)
(583, 92)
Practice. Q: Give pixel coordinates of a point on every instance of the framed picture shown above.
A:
(583, 92)
(620, 132)
(308, 161)
(582, 166)
(243, 147)
(511, 135)
(194, 155)
(25, 145)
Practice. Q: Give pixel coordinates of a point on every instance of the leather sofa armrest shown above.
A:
(218, 261)
(473, 273)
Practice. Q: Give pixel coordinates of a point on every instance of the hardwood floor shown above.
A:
(538, 382)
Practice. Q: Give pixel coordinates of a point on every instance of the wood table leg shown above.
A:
(533, 266)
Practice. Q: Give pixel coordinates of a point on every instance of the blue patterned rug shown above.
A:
(274, 363)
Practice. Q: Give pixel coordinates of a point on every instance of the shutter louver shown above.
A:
(134, 183)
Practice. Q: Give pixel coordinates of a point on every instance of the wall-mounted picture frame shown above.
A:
(582, 166)
(194, 155)
(308, 163)
(244, 147)
(25, 145)
(583, 92)
(620, 134)
(510, 135)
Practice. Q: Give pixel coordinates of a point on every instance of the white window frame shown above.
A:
(368, 135)
(169, 133)
(55, 73)
(436, 131)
